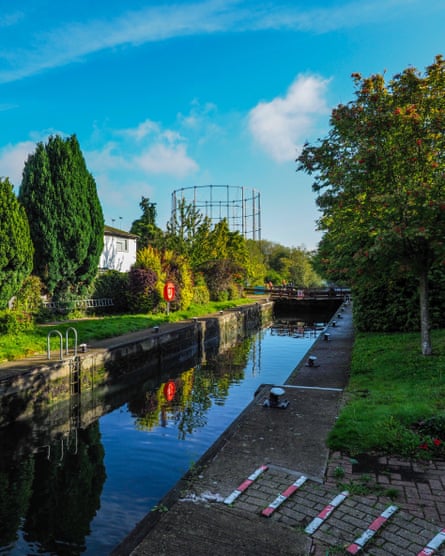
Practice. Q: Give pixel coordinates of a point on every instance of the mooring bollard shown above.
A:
(275, 398)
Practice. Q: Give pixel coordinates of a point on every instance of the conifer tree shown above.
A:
(16, 249)
(66, 220)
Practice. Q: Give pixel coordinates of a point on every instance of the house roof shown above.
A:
(110, 231)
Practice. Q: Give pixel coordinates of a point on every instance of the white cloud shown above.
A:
(167, 159)
(281, 125)
(106, 159)
(12, 160)
(73, 40)
(144, 129)
(145, 149)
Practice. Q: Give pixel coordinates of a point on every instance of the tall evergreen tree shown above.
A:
(145, 227)
(16, 249)
(66, 220)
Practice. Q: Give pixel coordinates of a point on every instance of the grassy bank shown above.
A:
(33, 342)
(395, 401)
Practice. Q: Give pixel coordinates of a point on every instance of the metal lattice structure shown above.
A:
(240, 206)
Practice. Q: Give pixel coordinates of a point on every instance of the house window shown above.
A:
(122, 245)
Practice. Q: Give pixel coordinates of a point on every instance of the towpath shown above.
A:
(269, 485)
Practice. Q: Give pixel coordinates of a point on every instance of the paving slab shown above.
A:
(291, 443)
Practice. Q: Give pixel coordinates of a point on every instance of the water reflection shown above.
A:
(52, 495)
(75, 478)
(187, 399)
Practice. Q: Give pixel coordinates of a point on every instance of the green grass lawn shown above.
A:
(34, 342)
(395, 400)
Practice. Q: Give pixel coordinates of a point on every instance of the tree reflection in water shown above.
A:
(195, 391)
(55, 493)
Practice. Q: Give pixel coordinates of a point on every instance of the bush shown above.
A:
(235, 291)
(201, 295)
(28, 298)
(112, 285)
(14, 322)
(142, 292)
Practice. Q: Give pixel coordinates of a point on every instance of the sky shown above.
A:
(170, 97)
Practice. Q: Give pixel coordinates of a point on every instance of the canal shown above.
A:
(69, 490)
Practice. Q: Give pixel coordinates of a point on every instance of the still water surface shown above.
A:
(85, 496)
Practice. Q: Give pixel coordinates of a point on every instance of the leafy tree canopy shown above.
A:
(380, 179)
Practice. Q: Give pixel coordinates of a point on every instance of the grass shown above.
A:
(34, 341)
(395, 400)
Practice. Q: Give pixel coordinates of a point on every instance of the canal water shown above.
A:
(84, 490)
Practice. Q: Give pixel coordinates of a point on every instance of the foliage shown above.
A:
(168, 265)
(218, 276)
(218, 254)
(224, 266)
(112, 284)
(28, 298)
(14, 322)
(256, 264)
(201, 294)
(34, 341)
(379, 178)
(150, 258)
(66, 221)
(177, 269)
(386, 304)
(187, 232)
(392, 390)
(289, 265)
(16, 248)
(145, 227)
(143, 296)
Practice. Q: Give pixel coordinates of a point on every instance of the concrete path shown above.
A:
(269, 486)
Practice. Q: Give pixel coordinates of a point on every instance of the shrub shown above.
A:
(28, 299)
(113, 285)
(14, 322)
(201, 295)
(142, 293)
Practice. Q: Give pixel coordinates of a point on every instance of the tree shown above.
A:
(290, 264)
(187, 231)
(16, 248)
(380, 179)
(66, 220)
(145, 227)
(224, 262)
(256, 266)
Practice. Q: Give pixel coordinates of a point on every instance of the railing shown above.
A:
(278, 292)
(78, 304)
(59, 334)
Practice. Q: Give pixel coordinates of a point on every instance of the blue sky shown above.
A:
(167, 95)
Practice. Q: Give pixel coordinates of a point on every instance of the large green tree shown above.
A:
(16, 248)
(380, 179)
(66, 220)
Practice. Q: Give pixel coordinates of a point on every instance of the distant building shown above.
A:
(119, 252)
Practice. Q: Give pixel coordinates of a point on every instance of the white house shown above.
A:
(119, 251)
